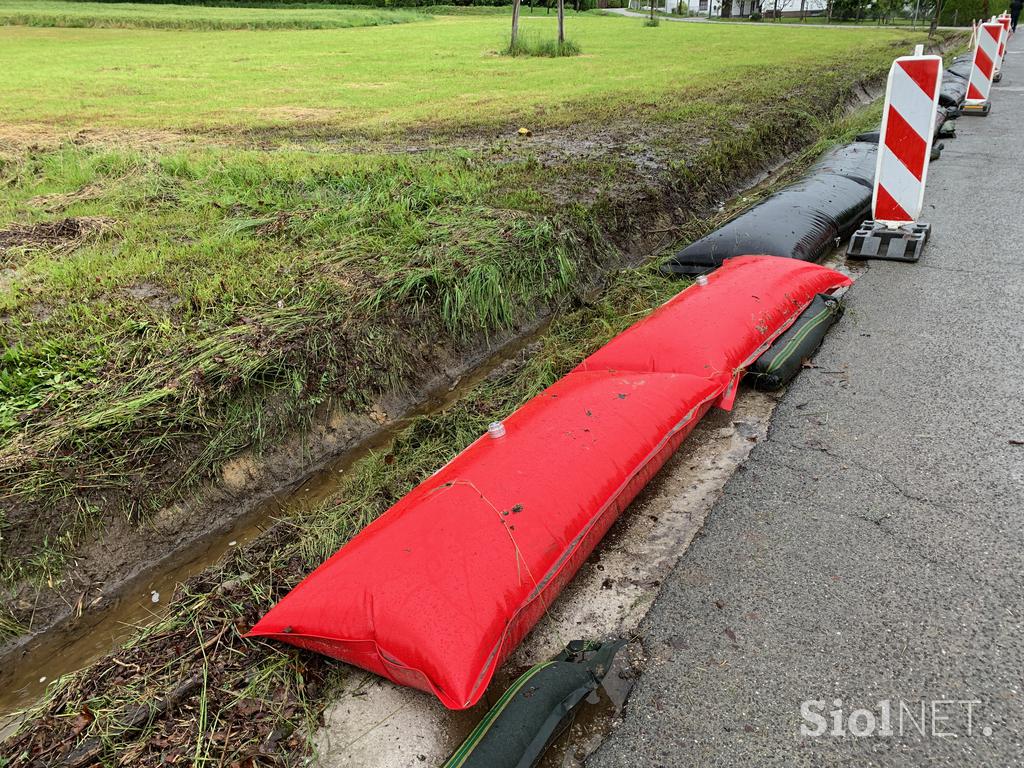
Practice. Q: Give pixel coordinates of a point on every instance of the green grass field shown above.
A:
(57, 13)
(208, 236)
(443, 73)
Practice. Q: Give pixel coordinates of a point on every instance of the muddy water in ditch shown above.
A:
(66, 650)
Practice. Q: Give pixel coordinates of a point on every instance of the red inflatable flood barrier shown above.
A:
(718, 330)
(441, 588)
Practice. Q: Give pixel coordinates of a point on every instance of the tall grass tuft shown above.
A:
(528, 45)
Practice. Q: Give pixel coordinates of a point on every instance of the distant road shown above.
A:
(705, 20)
(638, 15)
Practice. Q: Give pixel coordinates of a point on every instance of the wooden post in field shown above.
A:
(561, 22)
(515, 24)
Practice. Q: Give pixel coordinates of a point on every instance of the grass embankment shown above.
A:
(58, 13)
(164, 309)
(212, 696)
(220, 297)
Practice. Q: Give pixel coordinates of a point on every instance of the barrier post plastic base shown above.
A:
(875, 240)
(979, 109)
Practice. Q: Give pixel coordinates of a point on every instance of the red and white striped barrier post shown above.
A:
(904, 149)
(1004, 35)
(1006, 21)
(983, 69)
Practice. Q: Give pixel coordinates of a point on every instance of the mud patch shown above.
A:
(60, 236)
(300, 114)
(7, 277)
(50, 136)
(152, 296)
(279, 223)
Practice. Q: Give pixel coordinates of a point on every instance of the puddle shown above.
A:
(96, 633)
(375, 724)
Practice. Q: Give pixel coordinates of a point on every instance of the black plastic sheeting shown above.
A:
(784, 358)
(802, 221)
(536, 708)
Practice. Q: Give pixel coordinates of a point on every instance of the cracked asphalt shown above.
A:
(871, 549)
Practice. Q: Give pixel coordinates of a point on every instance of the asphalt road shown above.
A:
(871, 549)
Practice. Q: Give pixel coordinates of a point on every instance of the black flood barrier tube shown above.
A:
(945, 122)
(782, 361)
(953, 90)
(802, 221)
(855, 161)
(961, 66)
(945, 128)
(955, 80)
(536, 708)
(937, 146)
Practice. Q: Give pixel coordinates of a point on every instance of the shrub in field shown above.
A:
(532, 46)
(651, 21)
